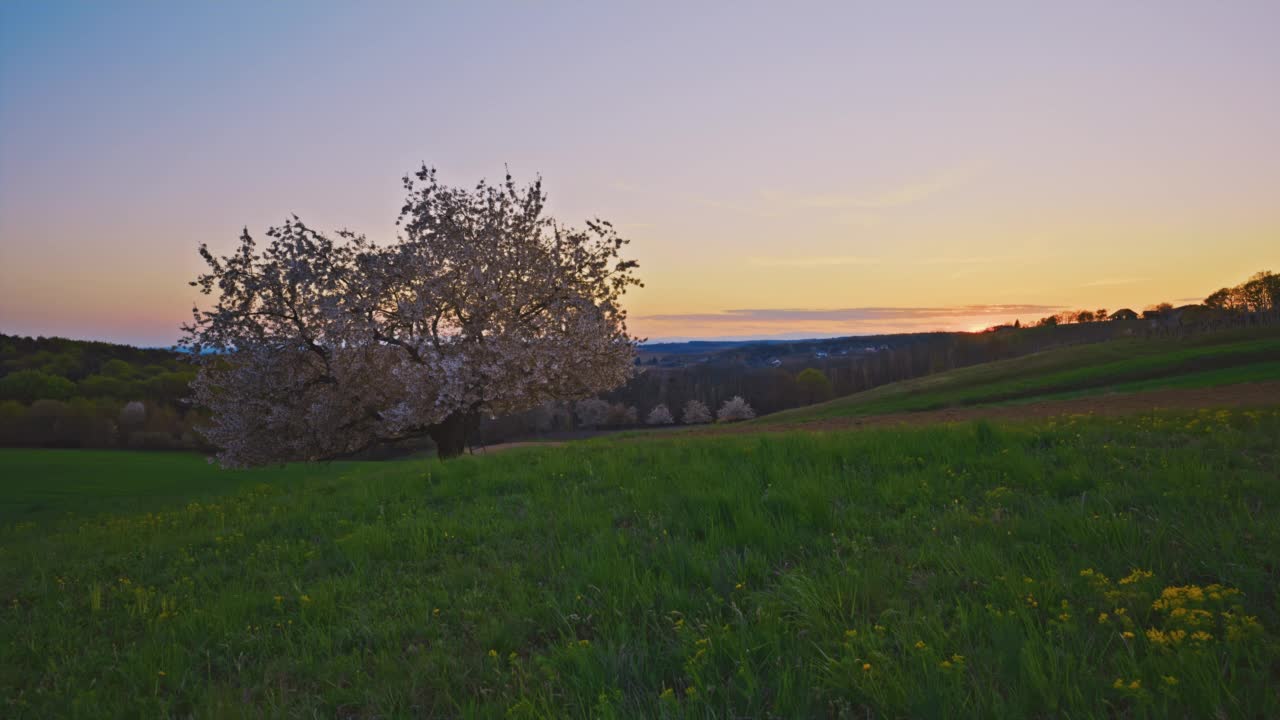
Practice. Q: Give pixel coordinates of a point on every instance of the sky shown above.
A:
(782, 169)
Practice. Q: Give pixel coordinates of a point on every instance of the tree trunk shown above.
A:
(450, 435)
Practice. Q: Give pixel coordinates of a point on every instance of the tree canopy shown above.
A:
(324, 345)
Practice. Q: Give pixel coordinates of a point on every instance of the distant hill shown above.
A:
(1227, 357)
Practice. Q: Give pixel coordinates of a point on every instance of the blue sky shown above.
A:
(816, 169)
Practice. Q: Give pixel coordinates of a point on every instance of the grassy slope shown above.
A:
(1117, 366)
(925, 572)
(39, 483)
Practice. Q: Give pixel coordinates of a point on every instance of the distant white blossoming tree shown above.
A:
(592, 412)
(133, 414)
(695, 413)
(660, 415)
(620, 414)
(318, 346)
(734, 409)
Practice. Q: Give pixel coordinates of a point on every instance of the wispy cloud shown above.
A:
(791, 315)
(815, 322)
(1115, 281)
(775, 203)
(811, 261)
(967, 260)
(900, 196)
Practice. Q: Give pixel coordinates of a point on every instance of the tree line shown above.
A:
(56, 392)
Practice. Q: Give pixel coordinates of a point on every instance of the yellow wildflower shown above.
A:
(920, 645)
(1103, 617)
(866, 667)
(1134, 576)
(666, 694)
(1170, 680)
(1126, 635)
(493, 653)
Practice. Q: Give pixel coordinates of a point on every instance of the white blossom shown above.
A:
(695, 413)
(318, 346)
(735, 409)
(133, 413)
(620, 414)
(660, 415)
(591, 412)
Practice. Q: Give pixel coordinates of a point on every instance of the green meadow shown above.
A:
(1118, 366)
(1076, 567)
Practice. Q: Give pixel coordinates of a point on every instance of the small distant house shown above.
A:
(820, 355)
(775, 362)
(1124, 314)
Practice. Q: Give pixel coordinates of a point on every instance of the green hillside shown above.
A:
(1083, 568)
(1116, 366)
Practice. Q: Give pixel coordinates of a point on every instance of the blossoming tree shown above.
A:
(695, 412)
(660, 415)
(735, 409)
(318, 346)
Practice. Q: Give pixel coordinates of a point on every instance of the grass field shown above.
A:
(44, 483)
(1117, 366)
(1076, 568)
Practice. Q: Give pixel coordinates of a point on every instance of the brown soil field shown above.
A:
(1222, 396)
(1241, 395)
